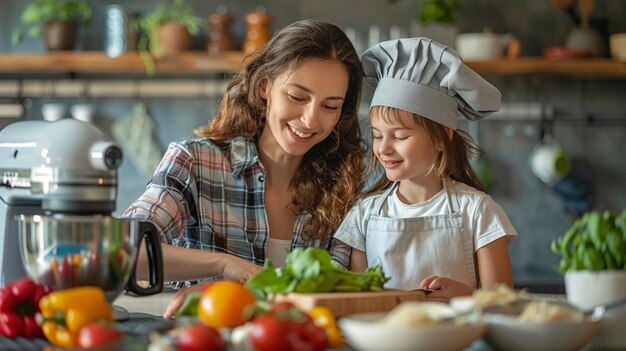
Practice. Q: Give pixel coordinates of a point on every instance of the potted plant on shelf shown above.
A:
(436, 19)
(58, 20)
(166, 30)
(593, 258)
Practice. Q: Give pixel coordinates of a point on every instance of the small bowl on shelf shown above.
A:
(617, 45)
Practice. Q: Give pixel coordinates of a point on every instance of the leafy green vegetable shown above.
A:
(312, 270)
(190, 305)
(596, 241)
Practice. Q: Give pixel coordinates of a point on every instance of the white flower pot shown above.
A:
(587, 289)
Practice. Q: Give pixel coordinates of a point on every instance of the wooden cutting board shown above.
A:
(343, 304)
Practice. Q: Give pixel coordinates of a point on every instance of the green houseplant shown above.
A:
(593, 259)
(436, 11)
(166, 30)
(54, 18)
(596, 241)
(435, 19)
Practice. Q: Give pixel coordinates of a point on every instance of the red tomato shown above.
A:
(282, 306)
(311, 334)
(96, 335)
(278, 331)
(269, 333)
(199, 337)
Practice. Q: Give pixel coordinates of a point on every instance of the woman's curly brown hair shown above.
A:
(332, 172)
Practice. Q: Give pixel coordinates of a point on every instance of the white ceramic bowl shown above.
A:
(83, 112)
(53, 111)
(462, 304)
(364, 332)
(617, 43)
(482, 46)
(505, 331)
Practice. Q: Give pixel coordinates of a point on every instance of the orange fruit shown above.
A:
(222, 304)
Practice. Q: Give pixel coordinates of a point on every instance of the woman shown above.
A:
(277, 168)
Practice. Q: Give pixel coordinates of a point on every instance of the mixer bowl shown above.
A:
(67, 251)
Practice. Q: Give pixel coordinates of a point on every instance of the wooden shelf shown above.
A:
(231, 62)
(99, 62)
(587, 67)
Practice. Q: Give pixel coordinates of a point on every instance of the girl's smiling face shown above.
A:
(401, 146)
(304, 105)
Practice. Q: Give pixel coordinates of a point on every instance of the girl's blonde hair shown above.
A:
(332, 172)
(452, 158)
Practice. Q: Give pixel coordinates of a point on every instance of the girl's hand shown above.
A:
(444, 288)
(179, 298)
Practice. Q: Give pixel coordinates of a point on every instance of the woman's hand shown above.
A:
(179, 298)
(444, 288)
(238, 269)
(234, 268)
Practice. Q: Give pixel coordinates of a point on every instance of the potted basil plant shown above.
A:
(57, 20)
(593, 258)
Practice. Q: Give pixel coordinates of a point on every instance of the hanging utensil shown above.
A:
(562, 5)
(586, 8)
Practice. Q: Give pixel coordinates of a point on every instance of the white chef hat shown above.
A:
(422, 76)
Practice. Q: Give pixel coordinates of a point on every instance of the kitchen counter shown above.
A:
(153, 304)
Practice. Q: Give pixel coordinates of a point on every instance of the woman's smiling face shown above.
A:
(304, 105)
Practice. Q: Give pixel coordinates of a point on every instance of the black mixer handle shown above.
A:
(155, 262)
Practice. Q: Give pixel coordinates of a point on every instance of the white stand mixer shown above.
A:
(58, 186)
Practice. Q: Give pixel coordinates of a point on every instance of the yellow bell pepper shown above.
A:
(324, 318)
(66, 311)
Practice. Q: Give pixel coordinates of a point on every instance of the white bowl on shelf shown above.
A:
(482, 46)
(617, 45)
(83, 112)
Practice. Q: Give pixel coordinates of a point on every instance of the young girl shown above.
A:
(427, 221)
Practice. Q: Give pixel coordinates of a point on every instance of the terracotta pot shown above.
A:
(174, 38)
(60, 35)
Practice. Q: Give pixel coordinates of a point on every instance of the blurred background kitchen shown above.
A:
(553, 60)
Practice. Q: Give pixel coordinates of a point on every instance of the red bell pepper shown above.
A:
(19, 304)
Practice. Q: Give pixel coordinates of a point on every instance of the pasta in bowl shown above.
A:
(481, 298)
(538, 324)
(410, 326)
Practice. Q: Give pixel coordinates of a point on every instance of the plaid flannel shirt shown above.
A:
(207, 197)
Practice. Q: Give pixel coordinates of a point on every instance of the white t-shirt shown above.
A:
(481, 215)
(277, 250)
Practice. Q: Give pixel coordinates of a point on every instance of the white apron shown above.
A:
(411, 249)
